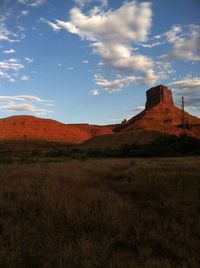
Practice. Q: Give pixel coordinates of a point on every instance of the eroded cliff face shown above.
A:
(158, 95)
(162, 115)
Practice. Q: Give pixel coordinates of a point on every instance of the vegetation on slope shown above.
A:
(161, 146)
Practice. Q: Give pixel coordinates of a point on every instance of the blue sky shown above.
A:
(92, 61)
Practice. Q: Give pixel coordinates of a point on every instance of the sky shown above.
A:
(79, 61)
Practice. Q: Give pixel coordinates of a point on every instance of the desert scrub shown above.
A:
(101, 213)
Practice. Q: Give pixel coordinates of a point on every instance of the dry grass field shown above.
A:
(115, 213)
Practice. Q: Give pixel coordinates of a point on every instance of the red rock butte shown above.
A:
(160, 115)
(157, 95)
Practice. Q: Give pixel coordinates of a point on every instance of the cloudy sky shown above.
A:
(92, 61)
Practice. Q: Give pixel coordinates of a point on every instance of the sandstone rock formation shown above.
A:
(33, 128)
(162, 115)
(157, 95)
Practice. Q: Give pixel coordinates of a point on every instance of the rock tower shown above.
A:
(157, 95)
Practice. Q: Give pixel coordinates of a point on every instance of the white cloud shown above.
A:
(190, 89)
(10, 67)
(23, 108)
(29, 60)
(13, 60)
(185, 42)
(12, 80)
(187, 84)
(54, 26)
(85, 61)
(25, 104)
(111, 86)
(187, 47)
(121, 58)
(10, 51)
(172, 35)
(3, 74)
(32, 3)
(82, 3)
(94, 92)
(11, 64)
(137, 110)
(70, 68)
(162, 70)
(7, 35)
(24, 78)
(131, 22)
(113, 33)
(24, 12)
(155, 44)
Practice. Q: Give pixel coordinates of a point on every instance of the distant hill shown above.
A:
(159, 116)
(33, 128)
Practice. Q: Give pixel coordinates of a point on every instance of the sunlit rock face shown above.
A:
(160, 114)
(33, 128)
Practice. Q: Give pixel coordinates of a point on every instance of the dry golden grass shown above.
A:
(101, 213)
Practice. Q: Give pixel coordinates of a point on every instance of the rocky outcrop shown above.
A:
(160, 114)
(157, 95)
